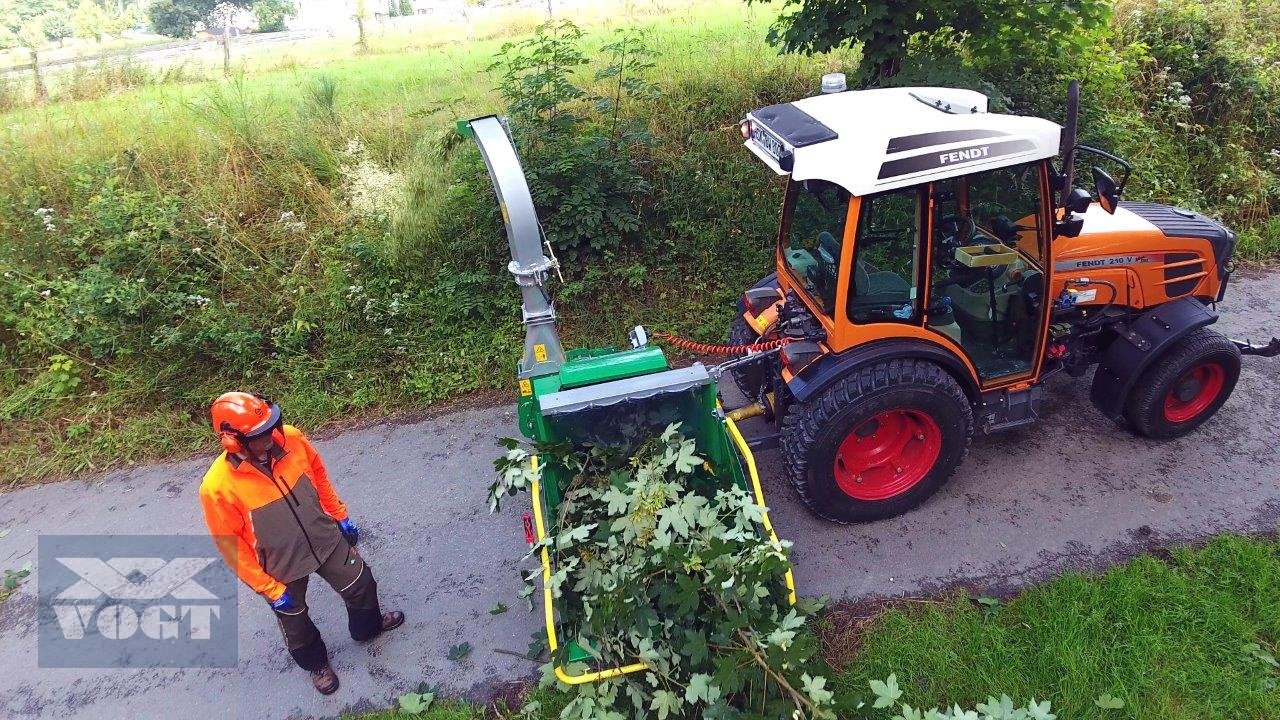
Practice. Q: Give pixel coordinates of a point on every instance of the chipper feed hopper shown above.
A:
(597, 396)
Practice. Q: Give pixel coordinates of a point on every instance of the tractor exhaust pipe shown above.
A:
(1069, 140)
(543, 353)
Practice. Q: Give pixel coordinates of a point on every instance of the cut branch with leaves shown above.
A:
(657, 558)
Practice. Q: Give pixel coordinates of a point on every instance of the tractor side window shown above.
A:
(815, 236)
(1005, 204)
(986, 287)
(885, 267)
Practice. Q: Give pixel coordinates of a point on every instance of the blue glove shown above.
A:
(349, 531)
(283, 603)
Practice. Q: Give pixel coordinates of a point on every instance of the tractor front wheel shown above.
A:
(1185, 386)
(878, 442)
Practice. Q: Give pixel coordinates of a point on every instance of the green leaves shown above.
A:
(1107, 701)
(12, 578)
(666, 703)
(498, 609)
(460, 651)
(416, 703)
(886, 692)
(700, 689)
(991, 31)
(656, 559)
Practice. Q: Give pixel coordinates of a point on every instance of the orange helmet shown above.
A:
(240, 416)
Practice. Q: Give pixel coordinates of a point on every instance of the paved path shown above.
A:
(1074, 492)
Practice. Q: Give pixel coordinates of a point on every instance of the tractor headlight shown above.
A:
(746, 128)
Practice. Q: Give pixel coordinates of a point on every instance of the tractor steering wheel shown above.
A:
(953, 231)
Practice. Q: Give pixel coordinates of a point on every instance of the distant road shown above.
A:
(167, 53)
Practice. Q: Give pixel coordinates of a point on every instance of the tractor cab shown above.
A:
(913, 213)
(934, 267)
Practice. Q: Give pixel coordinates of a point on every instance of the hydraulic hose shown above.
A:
(710, 349)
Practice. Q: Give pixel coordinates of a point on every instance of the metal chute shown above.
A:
(543, 354)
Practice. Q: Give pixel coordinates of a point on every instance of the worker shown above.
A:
(276, 519)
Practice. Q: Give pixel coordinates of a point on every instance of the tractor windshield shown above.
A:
(815, 233)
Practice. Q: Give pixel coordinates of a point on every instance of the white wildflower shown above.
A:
(374, 191)
(46, 217)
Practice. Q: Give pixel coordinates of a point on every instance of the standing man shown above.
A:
(276, 519)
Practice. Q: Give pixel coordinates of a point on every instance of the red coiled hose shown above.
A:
(708, 349)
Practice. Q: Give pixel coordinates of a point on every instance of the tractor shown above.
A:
(936, 264)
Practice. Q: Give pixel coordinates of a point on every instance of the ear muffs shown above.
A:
(231, 440)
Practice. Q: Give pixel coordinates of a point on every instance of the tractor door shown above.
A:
(989, 241)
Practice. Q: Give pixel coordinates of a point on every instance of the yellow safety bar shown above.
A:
(549, 611)
(750, 459)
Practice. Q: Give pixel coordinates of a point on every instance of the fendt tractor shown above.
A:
(935, 267)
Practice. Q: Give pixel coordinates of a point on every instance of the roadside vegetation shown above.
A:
(1185, 637)
(322, 234)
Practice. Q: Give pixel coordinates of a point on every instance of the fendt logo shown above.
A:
(136, 579)
(135, 601)
(956, 156)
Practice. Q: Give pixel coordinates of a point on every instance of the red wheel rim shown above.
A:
(1194, 392)
(888, 454)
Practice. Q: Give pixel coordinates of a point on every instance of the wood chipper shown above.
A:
(934, 268)
(598, 396)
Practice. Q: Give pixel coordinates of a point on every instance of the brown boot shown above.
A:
(325, 680)
(393, 619)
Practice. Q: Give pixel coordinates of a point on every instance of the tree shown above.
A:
(89, 21)
(362, 14)
(271, 14)
(990, 31)
(179, 18)
(56, 28)
(406, 8)
(393, 8)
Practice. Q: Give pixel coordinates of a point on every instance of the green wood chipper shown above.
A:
(600, 396)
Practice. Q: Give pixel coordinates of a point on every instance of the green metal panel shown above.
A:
(581, 371)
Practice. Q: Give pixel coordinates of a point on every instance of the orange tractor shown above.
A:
(935, 265)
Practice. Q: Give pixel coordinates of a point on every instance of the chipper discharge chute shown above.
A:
(596, 396)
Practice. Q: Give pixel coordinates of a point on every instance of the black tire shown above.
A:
(813, 431)
(749, 378)
(1173, 374)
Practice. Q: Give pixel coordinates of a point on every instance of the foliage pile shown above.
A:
(658, 561)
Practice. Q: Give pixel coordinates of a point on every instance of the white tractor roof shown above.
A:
(869, 141)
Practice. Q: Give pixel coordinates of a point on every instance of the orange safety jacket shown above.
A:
(273, 529)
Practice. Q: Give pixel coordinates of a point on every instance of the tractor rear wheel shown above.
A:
(1185, 386)
(878, 442)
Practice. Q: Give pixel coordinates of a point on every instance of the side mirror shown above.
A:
(1078, 200)
(1107, 189)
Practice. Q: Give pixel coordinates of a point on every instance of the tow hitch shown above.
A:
(1271, 349)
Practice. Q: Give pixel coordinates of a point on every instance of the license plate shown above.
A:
(767, 141)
